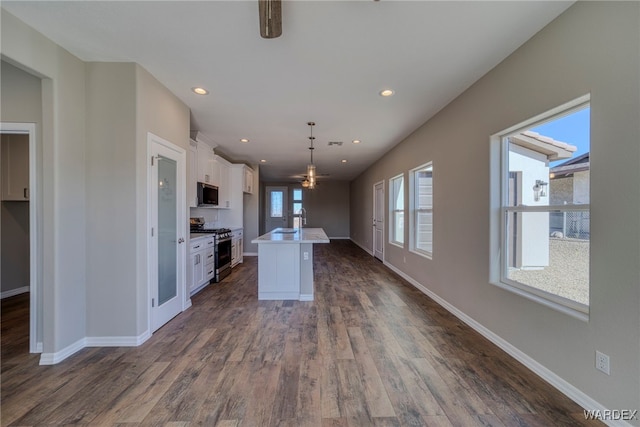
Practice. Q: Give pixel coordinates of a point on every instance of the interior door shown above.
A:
(168, 228)
(277, 205)
(378, 220)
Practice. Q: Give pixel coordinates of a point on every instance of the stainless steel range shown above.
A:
(222, 246)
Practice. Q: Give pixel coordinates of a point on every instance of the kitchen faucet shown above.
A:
(303, 217)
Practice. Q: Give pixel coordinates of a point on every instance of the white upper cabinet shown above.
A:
(205, 164)
(247, 182)
(224, 187)
(15, 167)
(192, 177)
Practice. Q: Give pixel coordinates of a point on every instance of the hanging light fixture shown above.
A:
(311, 168)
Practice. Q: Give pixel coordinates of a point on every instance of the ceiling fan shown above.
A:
(270, 18)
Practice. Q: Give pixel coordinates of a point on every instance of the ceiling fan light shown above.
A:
(305, 184)
(311, 172)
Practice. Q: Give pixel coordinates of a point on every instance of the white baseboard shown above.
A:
(14, 292)
(306, 297)
(59, 356)
(339, 238)
(556, 381)
(250, 254)
(362, 247)
(123, 341)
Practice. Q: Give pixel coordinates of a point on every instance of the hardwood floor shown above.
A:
(371, 350)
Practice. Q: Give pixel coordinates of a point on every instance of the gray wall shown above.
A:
(21, 101)
(15, 245)
(62, 177)
(124, 102)
(95, 119)
(160, 112)
(327, 206)
(111, 199)
(591, 48)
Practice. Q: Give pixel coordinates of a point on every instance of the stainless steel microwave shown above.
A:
(207, 195)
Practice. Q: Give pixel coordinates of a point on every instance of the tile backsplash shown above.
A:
(210, 216)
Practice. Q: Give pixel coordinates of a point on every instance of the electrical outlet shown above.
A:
(305, 256)
(602, 363)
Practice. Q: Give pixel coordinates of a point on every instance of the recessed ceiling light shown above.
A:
(344, 160)
(200, 90)
(386, 92)
(356, 141)
(244, 140)
(263, 161)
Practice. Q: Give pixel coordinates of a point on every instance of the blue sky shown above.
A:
(572, 129)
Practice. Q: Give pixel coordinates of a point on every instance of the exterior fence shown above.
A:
(574, 224)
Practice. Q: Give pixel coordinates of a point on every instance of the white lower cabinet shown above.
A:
(237, 247)
(202, 267)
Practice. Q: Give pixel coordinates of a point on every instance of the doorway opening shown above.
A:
(20, 231)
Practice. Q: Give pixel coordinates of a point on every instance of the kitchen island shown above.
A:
(285, 263)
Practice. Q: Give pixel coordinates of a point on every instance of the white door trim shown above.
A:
(35, 286)
(374, 217)
(152, 255)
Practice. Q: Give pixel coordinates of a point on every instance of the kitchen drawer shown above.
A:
(196, 246)
(201, 244)
(209, 271)
(209, 257)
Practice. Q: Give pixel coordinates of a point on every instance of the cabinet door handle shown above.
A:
(26, 193)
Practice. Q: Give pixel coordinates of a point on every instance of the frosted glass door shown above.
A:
(167, 230)
(168, 225)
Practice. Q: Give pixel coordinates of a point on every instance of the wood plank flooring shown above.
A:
(371, 350)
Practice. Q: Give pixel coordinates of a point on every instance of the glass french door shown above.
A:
(168, 225)
(277, 208)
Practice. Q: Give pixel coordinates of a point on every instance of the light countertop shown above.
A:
(195, 236)
(293, 235)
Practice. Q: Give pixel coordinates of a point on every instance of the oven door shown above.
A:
(223, 258)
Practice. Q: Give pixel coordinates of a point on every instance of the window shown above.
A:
(542, 235)
(276, 204)
(297, 207)
(396, 230)
(422, 210)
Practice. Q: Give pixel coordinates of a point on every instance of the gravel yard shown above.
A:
(567, 274)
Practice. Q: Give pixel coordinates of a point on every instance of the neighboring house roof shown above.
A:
(579, 164)
(554, 150)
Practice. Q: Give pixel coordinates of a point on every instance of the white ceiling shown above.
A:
(329, 65)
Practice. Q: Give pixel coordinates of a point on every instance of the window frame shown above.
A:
(393, 211)
(413, 218)
(297, 217)
(500, 211)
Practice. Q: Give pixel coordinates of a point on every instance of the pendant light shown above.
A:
(311, 168)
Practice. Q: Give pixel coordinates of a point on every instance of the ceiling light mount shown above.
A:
(270, 18)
